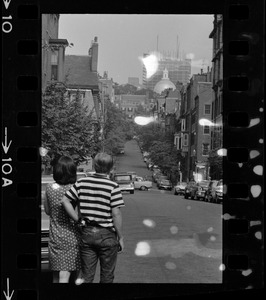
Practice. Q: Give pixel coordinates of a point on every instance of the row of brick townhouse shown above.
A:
(199, 127)
(192, 138)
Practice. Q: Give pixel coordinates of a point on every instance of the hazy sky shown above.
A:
(124, 38)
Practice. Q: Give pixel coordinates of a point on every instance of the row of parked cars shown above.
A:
(161, 180)
(209, 191)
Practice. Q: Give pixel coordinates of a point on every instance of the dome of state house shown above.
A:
(164, 83)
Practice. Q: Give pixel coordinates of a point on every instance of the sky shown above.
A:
(124, 38)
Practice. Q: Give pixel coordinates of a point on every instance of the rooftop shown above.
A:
(78, 74)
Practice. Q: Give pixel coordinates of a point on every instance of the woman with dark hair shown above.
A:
(63, 235)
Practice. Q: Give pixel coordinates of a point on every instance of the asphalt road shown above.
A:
(168, 239)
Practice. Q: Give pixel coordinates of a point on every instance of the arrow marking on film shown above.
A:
(6, 146)
(8, 297)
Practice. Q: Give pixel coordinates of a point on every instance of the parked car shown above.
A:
(201, 190)
(165, 184)
(179, 189)
(160, 177)
(210, 192)
(219, 192)
(133, 174)
(190, 190)
(141, 184)
(125, 181)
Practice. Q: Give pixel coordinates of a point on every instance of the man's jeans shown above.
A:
(98, 243)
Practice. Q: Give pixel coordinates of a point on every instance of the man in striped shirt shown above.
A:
(99, 200)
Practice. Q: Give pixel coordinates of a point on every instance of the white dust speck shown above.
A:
(149, 223)
(222, 267)
(254, 223)
(142, 249)
(174, 229)
(254, 153)
(254, 122)
(258, 235)
(246, 272)
(258, 170)
(228, 217)
(210, 229)
(222, 152)
(255, 190)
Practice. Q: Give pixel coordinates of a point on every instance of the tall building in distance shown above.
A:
(179, 70)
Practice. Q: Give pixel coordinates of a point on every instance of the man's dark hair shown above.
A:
(65, 170)
(103, 163)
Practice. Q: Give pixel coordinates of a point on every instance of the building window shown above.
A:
(207, 109)
(185, 140)
(183, 124)
(177, 142)
(206, 129)
(54, 65)
(205, 149)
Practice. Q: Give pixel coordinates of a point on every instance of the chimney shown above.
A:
(93, 53)
(201, 71)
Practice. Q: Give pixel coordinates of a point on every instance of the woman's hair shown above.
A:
(65, 170)
(103, 163)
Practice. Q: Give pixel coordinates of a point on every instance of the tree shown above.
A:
(67, 126)
(117, 129)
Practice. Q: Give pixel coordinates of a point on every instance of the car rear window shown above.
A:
(122, 177)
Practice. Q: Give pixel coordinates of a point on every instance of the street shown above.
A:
(168, 239)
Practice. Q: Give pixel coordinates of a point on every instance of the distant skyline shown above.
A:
(124, 38)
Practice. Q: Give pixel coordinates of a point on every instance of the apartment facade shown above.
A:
(53, 51)
(192, 139)
(217, 80)
(217, 86)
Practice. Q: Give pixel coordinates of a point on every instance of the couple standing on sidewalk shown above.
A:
(85, 221)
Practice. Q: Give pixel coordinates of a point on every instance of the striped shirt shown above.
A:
(97, 195)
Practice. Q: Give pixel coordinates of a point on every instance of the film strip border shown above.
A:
(243, 144)
(243, 141)
(20, 221)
